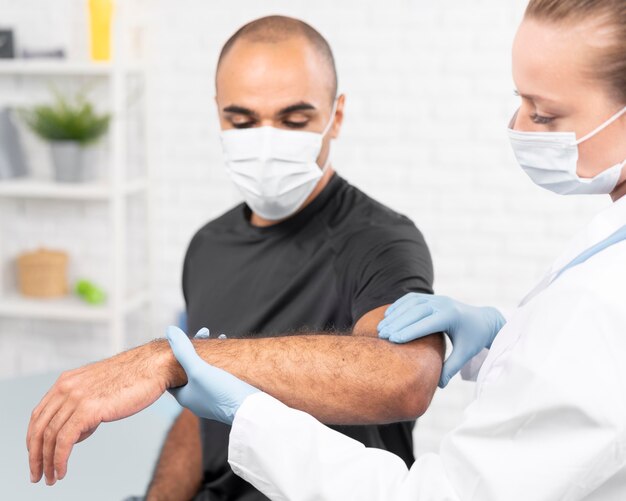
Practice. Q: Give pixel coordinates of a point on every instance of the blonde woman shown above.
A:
(549, 419)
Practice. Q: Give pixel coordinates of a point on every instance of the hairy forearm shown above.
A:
(337, 379)
(178, 473)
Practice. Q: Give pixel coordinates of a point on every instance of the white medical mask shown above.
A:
(275, 170)
(550, 160)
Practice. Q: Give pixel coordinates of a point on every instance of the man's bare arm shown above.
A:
(178, 473)
(357, 379)
(339, 379)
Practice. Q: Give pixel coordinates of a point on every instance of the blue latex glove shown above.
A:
(470, 328)
(210, 392)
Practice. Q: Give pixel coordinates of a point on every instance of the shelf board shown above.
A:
(61, 67)
(69, 308)
(97, 190)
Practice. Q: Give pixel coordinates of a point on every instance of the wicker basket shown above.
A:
(42, 273)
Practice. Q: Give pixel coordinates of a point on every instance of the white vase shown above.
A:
(68, 160)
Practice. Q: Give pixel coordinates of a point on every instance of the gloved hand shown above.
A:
(470, 328)
(210, 392)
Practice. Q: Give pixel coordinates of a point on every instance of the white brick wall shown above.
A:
(429, 95)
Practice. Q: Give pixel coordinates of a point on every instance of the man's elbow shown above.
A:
(416, 399)
(422, 373)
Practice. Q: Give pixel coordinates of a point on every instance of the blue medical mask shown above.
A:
(550, 160)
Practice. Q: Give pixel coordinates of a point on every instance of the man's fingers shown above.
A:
(68, 435)
(35, 436)
(41, 408)
(50, 439)
(429, 325)
(183, 350)
(57, 393)
(35, 460)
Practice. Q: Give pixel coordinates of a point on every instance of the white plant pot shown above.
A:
(68, 160)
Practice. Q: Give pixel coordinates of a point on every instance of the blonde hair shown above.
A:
(610, 65)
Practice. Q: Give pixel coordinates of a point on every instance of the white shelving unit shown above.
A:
(32, 188)
(115, 192)
(68, 308)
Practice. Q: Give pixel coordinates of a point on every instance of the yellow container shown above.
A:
(100, 20)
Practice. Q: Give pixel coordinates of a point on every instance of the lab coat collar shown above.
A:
(601, 226)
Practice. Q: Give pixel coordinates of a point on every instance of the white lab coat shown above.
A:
(548, 421)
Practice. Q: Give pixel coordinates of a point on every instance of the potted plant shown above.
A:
(69, 126)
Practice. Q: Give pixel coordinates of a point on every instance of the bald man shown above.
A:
(298, 277)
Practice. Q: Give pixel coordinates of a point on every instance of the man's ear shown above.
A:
(336, 127)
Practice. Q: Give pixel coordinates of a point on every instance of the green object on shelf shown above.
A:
(90, 292)
(67, 119)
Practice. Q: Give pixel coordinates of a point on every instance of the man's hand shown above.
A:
(83, 398)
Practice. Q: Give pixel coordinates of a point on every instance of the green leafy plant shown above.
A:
(67, 120)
